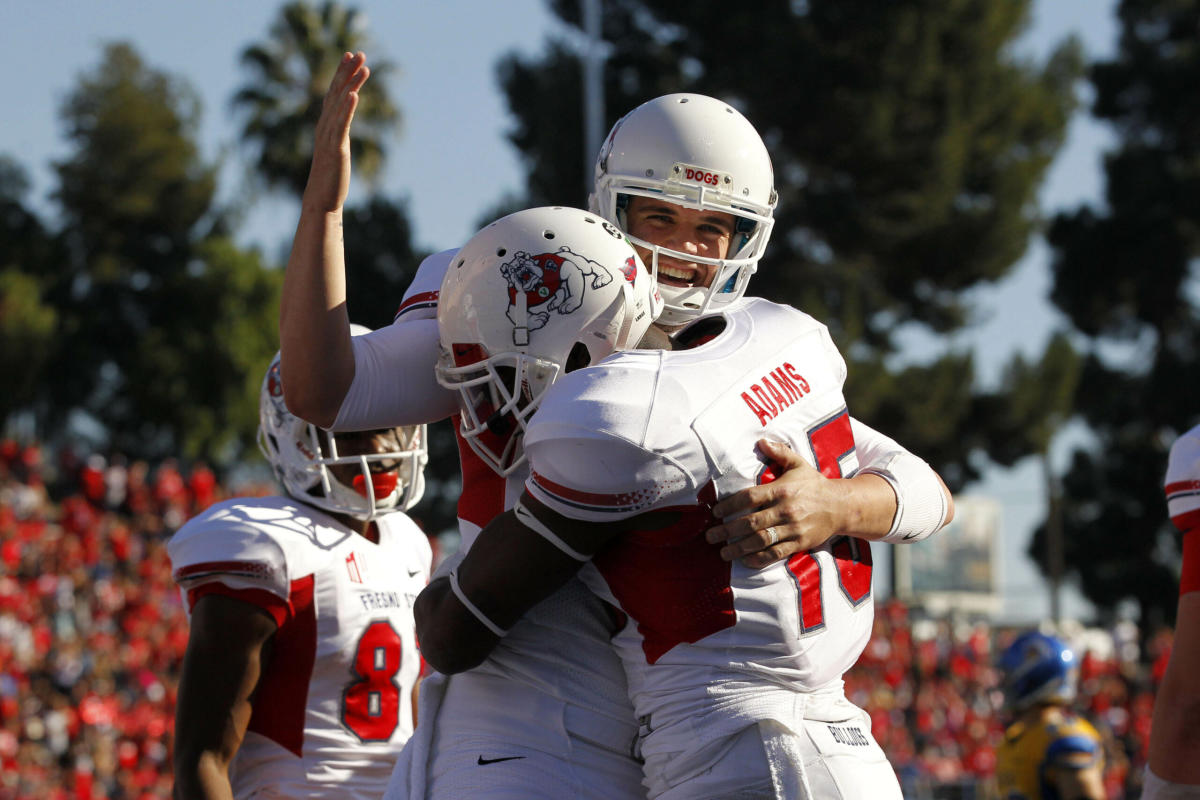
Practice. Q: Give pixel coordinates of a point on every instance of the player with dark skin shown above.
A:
(230, 648)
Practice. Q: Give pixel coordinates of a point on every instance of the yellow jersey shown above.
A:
(1041, 742)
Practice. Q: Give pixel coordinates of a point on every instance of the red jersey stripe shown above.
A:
(419, 300)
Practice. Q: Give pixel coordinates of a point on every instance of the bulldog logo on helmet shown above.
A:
(539, 285)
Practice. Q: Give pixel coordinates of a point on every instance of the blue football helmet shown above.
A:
(1038, 669)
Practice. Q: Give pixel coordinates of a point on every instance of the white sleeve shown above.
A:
(595, 478)
(394, 382)
(1182, 483)
(230, 551)
(872, 447)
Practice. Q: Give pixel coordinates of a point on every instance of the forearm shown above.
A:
(510, 568)
(314, 332)
(923, 504)
(867, 506)
(202, 776)
(316, 358)
(452, 639)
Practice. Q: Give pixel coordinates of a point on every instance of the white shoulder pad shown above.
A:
(232, 543)
(586, 456)
(799, 321)
(420, 299)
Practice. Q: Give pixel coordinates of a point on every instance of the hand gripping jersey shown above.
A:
(1058, 739)
(334, 705)
(553, 686)
(711, 647)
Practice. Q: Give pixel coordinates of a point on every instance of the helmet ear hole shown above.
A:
(579, 357)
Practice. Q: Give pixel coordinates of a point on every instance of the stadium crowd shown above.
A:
(92, 634)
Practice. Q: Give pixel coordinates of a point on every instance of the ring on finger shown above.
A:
(772, 535)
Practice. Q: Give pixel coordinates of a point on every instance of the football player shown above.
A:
(735, 673)
(548, 716)
(1173, 771)
(388, 378)
(1049, 751)
(301, 666)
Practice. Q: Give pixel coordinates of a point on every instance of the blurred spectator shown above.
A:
(116, 482)
(202, 486)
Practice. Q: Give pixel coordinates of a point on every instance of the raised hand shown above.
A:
(329, 175)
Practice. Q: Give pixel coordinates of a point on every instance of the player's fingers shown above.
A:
(757, 540)
(338, 109)
(789, 547)
(346, 69)
(347, 94)
(746, 500)
(358, 78)
(734, 529)
(780, 453)
(764, 558)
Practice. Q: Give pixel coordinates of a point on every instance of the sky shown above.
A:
(453, 136)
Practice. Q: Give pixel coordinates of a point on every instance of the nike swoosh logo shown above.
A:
(483, 760)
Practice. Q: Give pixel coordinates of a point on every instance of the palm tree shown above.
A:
(290, 73)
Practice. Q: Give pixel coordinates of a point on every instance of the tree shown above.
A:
(27, 323)
(289, 74)
(164, 325)
(26, 338)
(380, 258)
(1125, 276)
(1039, 400)
(907, 154)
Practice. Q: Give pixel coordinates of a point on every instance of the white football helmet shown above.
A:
(531, 296)
(699, 153)
(393, 480)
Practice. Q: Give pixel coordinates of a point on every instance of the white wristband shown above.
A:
(479, 615)
(921, 506)
(537, 526)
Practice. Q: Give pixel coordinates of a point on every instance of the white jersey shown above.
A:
(334, 706)
(710, 647)
(559, 652)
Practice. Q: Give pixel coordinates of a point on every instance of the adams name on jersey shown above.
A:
(676, 430)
